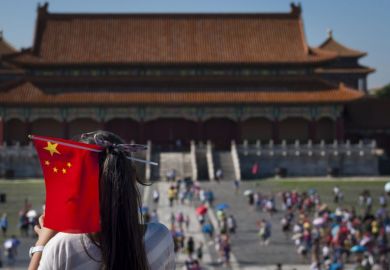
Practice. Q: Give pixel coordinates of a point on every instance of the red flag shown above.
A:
(71, 172)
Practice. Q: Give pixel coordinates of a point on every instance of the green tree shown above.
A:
(384, 92)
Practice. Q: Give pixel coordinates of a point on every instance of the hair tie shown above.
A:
(125, 149)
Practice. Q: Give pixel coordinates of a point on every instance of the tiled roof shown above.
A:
(29, 94)
(330, 44)
(5, 47)
(171, 38)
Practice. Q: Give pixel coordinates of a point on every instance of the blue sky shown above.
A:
(361, 24)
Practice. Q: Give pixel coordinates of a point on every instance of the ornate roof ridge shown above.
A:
(341, 50)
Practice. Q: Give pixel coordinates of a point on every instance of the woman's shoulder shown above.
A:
(65, 238)
(69, 242)
(67, 251)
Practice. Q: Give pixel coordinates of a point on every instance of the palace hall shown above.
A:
(175, 78)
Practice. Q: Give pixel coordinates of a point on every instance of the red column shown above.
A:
(1, 130)
(313, 130)
(340, 129)
(239, 132)
(28, 131)
(141, 134)
(102, 124)
(275, 131)
(200, 130)
(65, 126)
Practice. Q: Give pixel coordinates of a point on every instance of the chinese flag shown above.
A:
(71, 171)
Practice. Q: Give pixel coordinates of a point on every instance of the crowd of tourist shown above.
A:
(27, 219)
(327, 235)
(218, 236)
(334, 237)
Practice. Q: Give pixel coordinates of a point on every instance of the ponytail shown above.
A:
(121, 238)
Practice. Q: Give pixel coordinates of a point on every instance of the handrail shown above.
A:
(210, 162)
(194, 166)
(236, 160)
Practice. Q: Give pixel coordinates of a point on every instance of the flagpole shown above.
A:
(64, 143)
(32, 137)
(143, 161)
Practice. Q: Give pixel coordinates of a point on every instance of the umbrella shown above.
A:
(365, 240)
(201, 210)
(318, 221)
(296, 236)
(207, 228)
(222, 206)
(335, 230)
(358, 249)
(32, 214)
(248, 192)
(387, 187)
(179, 234)
(323, 207)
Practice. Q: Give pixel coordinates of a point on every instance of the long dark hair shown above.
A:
(122, 233)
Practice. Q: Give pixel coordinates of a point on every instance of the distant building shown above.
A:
(170, 77)
(176, 78)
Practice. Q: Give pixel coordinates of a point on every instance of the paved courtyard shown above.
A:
(247, 252)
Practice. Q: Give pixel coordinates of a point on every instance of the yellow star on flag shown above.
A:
(55, 169)
(64, 171)
(47, 162)
(52, 148)
(69, 164)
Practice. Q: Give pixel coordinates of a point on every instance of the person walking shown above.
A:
(218, 175)
(236, 186)
(264, 231)
(171, 195)
(4, 224)
(199, 251)
(156, 196)
(11, 249)
(190, 246)
(231, 224)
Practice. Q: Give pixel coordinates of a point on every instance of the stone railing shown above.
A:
(309, 149)
(19, 161)
(309, 159)
(236, 161)
(193, 161)
(210, 162)
(296, 159)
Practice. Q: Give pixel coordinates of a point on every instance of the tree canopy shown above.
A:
(384, 92)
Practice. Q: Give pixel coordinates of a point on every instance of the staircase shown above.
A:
(180, 162)
(201, 162)
(224, 161)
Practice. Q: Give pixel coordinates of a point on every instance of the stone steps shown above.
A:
(224, 161)
(178, 161)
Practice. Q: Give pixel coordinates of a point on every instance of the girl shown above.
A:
(124, 242)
